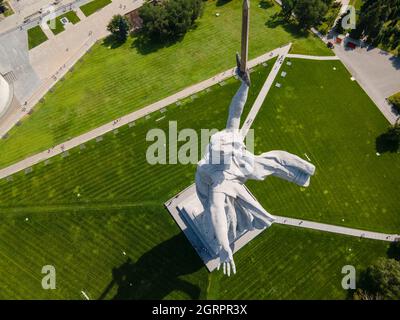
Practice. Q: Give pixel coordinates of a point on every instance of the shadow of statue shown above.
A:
(156, 273)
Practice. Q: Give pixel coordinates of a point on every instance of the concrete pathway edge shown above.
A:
(337, 229)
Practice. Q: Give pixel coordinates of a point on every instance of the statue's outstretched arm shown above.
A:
(236, 107)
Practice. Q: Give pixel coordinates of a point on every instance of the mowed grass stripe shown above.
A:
(149, 232)
(109, 83)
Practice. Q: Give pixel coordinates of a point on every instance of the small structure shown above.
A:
(64, 20)
(339, 39)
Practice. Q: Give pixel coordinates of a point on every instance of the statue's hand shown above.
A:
(226, 259)
(243, 76)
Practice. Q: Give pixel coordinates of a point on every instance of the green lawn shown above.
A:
(88, 208)
(110, 83)
(59, 27)
(36, 36)
(94, 6)
(322, 113)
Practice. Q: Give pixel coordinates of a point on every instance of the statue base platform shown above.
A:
(188, 213)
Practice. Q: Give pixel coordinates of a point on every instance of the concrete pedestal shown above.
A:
(188, 213)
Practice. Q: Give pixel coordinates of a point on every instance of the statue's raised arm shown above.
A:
(238, 103)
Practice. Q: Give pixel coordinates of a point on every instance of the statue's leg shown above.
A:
(244, 195)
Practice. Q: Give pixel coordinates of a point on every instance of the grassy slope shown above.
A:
(290, 263)
(321, 112)
(86, 247)
(120, 209)
(113, 82)
(94, 6)
(36, 36)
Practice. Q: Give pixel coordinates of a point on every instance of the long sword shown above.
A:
(242, 59)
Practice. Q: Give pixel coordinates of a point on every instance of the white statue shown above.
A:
(223, 171)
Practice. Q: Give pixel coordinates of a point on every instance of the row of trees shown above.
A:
(379, 22)
(381, 280)
(308, 12)
(169, 19)
(161, 20)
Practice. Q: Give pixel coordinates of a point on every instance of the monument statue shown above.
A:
(229, 208)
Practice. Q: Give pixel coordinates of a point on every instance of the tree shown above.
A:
(310, 12)
(169, 19)
(2, 6)
(395, 101)
(379, 22)
(287, 8)
(119, 27)
(380, 280)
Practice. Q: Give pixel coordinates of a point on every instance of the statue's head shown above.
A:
(224, 145)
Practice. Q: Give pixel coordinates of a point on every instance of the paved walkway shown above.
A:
(283, 52)
(319, 58)
(74, 142)
(337, 229)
